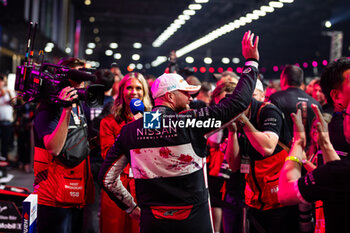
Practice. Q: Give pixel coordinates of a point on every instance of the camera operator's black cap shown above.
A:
(114, 64)
(71, 62)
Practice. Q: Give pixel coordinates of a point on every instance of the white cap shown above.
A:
(171, 82)
(259, 86)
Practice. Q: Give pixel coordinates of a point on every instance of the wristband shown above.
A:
(252, 59)
(295, 159)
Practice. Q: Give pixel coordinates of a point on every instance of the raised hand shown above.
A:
(68, 94)
(250, 50)
(322, 127)
(298, 129)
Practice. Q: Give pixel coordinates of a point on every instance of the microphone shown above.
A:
(137, 106)
(80, 76)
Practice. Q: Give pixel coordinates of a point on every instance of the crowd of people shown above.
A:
(277, 161)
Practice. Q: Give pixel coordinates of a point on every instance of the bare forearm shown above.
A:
(262, 142)
(290, 173)
(54, 142)
(328, 152)
(232, 152)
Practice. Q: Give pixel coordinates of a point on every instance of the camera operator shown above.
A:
(62, 189)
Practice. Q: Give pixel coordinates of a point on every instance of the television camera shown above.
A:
(43, 82)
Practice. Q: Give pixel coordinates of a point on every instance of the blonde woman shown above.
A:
(133, 85)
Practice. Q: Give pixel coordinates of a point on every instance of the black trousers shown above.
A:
(6, 136)
(59, 220)
(278, 220)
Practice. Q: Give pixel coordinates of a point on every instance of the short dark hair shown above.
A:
(332, 76)
(114, 65)
(294, 75)
(228, 87)
(205, 87)
(71, 62)
(105, 77)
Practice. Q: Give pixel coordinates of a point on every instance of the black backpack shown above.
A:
(76, 148)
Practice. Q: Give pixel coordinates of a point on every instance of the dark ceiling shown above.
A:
(292, 34)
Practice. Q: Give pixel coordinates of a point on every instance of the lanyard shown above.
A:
(76, 117)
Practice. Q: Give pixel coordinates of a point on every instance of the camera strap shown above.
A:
(76, 116)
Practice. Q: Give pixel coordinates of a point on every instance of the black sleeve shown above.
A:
(109, 175)
(327, 182)
(46, 120)
(231, 106)
(270, 120)
(274, 100)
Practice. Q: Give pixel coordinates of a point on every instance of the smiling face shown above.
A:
(133, 89)
(317, 94)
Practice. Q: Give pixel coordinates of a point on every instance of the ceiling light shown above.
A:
(137, 45)
(97, 39)
(135, 57)
(276, 4)
(235, 60)
(113, 45)
(245, 20)
(174, 26)
(223, 30)
(189, 60)
(252, 16)
(87, 2)
(159, 60)
(255, 14)
(189, 12)
(267, 9)
(92, 19)
(91, 45)
(117, 56)
(208, 60)
(147, 66)
(109, 52)
(68, 50)
(132, 66)
(88, 51)
(328, 24)
(184, 17)
(179, 21)
(225, 60)
(139, 66)
(50, 45)
(259, 12)
(92, 63)
(48, 49)
(195, 6)
(96, 31)
(239, 22)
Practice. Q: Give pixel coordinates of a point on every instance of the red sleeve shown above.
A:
(109, 130)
